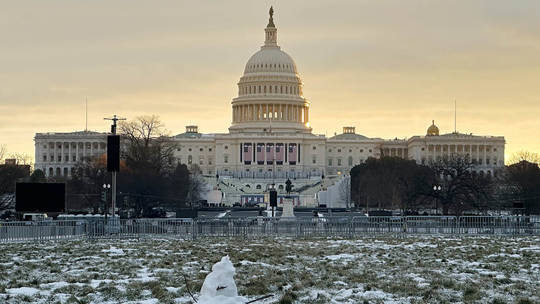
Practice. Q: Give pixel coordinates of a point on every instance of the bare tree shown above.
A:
(523, 155)
(461, 187)
(21, 158)
(3, 151)
(196, 185)
(147, 146)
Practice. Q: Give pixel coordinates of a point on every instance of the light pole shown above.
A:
(104, 198)
(114, 119)
(437, 189)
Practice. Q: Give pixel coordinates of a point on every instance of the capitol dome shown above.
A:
(270, 97)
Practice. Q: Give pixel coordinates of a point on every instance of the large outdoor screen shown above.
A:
(40, 197)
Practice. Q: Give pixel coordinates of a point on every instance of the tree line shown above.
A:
(450, 185)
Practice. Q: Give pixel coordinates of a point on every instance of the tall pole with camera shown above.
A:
(113, 157)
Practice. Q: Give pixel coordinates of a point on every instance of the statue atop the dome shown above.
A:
(271, 20)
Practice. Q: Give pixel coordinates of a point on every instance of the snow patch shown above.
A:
(23, 291)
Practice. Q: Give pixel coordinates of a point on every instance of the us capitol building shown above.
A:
(270, 139)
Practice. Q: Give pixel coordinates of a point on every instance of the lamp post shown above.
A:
(437, 189)
(104, 197)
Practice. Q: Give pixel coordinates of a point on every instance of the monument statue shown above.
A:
(288, 187)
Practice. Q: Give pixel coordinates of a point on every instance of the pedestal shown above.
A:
(288, 208)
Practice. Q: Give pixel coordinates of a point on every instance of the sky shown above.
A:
(386, 67)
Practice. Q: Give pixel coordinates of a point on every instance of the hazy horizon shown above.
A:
(386, 67)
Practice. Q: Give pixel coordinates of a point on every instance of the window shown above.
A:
(361, 150)
(225, 158)
(314, 160)
(329, 162)
(44, 158)
(189, 149)
(178, 149)
(350, 150)
(350, 160)
(314, 148)
(74, 158)
(339, 150)
(209, 149)
(329, 150)
(339, 162)
(201, 162)
(226, 147)
(209, 161)
(423, 149)
(201, 149)
(59, 158)
(65, 171)
(369, 150)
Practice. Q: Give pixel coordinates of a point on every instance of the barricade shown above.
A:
(333, 226)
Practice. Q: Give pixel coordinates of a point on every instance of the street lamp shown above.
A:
(104, 198)
(437, 189)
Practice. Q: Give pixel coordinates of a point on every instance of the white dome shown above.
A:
(270, 93)
(270, 59)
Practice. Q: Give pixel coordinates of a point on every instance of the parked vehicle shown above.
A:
(35, 217)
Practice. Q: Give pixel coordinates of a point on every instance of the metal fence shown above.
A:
(41, 230)
(261, 227)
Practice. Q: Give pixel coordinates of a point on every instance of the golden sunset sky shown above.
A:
(386, 67)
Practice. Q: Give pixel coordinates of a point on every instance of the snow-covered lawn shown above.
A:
(413, 269)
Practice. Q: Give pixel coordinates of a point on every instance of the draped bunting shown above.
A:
(269, 153)
(260, 154)
(280, 153)
(292, 153)
(248, 152)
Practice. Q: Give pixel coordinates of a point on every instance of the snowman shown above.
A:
(219, 286)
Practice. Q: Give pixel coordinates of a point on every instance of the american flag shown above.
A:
(280, 153)
(260, 153)
(292, 153)
(248, 152)
(269, 153)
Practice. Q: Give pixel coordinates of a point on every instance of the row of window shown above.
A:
(59, 172)
(444, 148)
(269, 66)
(200, 149)
(59, 158)
(350, 150)
(190, 160)
(290, 90)
(339, 163)
(74, 145)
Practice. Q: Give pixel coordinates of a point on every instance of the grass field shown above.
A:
(413, 269)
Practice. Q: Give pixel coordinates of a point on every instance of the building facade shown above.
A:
(270, 139)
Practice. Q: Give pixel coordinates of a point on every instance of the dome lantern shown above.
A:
(271, 31)
(433, 130)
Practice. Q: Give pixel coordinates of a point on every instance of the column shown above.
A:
(484, 160)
